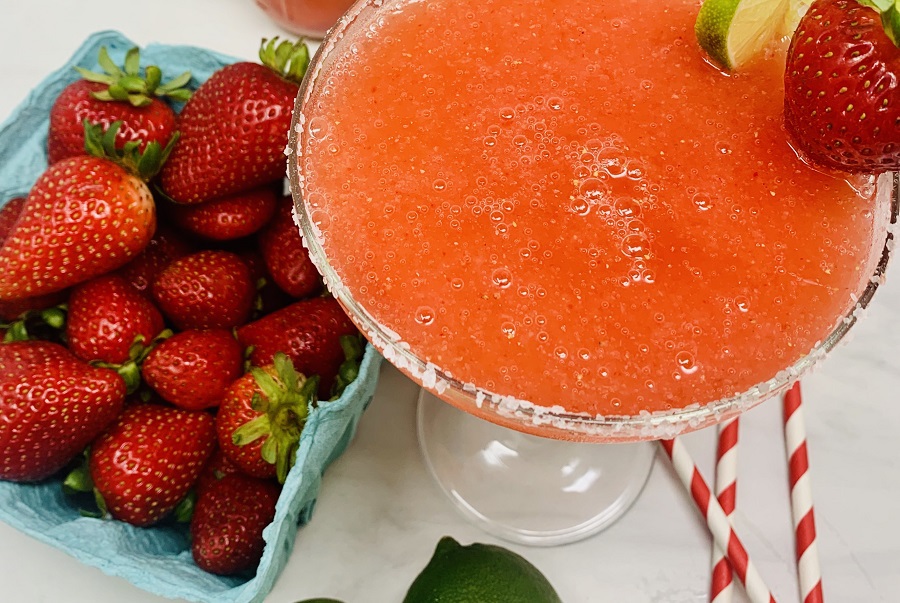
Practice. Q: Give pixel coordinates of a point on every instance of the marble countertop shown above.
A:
(380, 514)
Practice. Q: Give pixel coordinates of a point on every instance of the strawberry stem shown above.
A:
(143, 164)
(284, 398)
(353, 347)
(127, 85)
(288, 59)
(889, 10)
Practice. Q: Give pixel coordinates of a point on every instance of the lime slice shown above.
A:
(792, 15)
(732, 31)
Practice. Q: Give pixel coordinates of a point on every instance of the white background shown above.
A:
(379, 514)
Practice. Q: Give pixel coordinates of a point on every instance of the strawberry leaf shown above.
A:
(152, 77)
(185, 509)
(107, 64)
(178, 82)
(878, 5)
(890, 19)
(128, 85)
(92, 76)
(132, 61)
(289, 60)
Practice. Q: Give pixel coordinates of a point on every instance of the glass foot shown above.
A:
(526, 489)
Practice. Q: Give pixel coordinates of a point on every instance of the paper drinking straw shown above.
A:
(809, 573)
(722, 582)
(722, 532)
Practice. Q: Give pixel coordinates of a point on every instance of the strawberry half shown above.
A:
(841, 84)
(118, 94)
(235, 127)
(145, 463)
(40, 429)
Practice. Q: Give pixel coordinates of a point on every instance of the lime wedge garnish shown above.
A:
(732, 31)
(792, 15)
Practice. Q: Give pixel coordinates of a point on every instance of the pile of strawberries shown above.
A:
(165, 334)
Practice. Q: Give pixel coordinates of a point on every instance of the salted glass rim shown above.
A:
(550, 421)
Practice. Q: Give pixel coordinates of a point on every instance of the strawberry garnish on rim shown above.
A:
(842, 77)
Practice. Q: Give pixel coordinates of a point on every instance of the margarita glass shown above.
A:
(564, 221)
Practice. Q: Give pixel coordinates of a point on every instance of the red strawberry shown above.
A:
(235, 127)
(192, 369)
(205, 290)
(165, 247)
(117, 95)
(85, 216)
(286, 258)
(148, 460)
(262, 416)
(228, 522)
(51, 406)
(11, 310)
(840, 89)
(216, 468)
(308, 331)
(107, 317)
(226, 218)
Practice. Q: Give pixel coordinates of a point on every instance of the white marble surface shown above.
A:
(380, 515)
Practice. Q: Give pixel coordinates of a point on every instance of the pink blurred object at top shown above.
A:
(305, 17)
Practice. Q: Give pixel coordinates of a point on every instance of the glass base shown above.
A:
(526, 489)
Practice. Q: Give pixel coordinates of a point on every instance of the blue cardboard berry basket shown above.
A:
(158, 559)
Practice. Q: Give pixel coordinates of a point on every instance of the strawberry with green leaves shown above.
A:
(286, 258)
(110, 322)
(193, 368)
(308, 331)
(85, 216)
(226, 218)
(235, 127)
(841, 84)
(228, 523)
(209, 289)
(145, 463)
(117, 95)
(42, 429)
(262, 416)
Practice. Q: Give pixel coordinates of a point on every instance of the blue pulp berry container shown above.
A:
(158, 559)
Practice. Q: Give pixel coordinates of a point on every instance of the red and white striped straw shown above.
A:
(722, 582)
(721, 529)
(809, 573)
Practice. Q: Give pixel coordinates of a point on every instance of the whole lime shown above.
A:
(479, 573)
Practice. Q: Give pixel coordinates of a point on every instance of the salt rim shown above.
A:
(563, 425)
